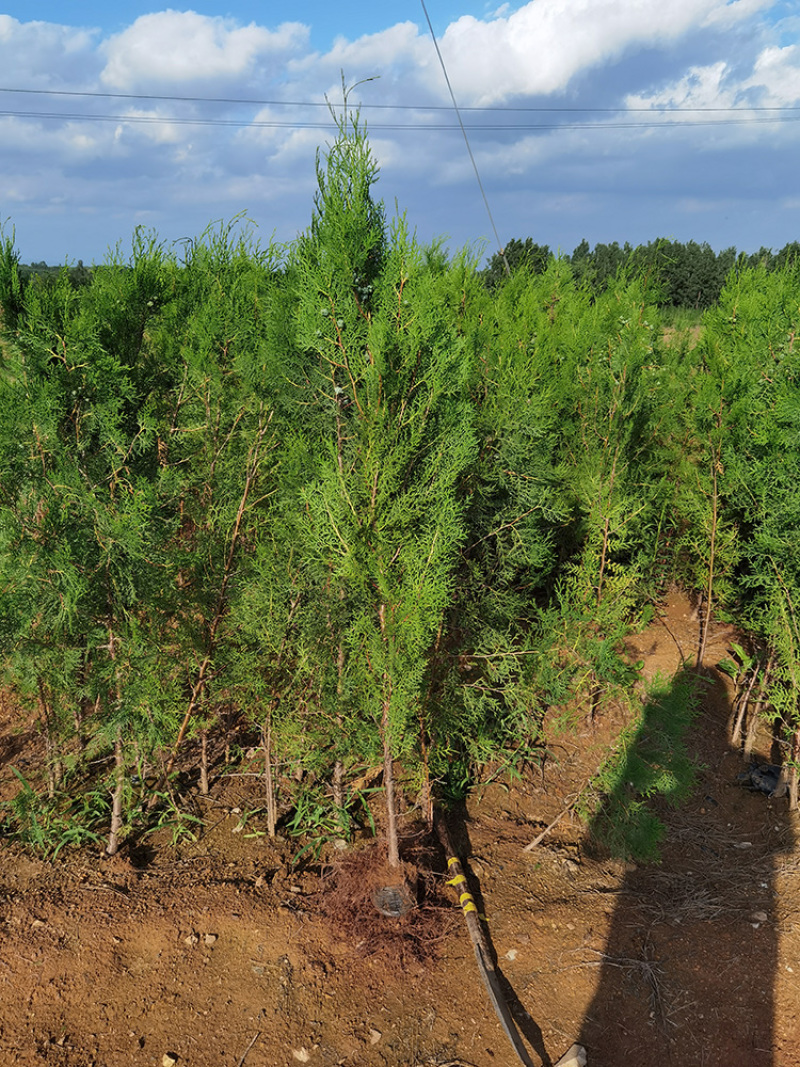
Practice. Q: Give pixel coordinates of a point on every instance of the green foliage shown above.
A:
(10, 282)
(650, 762)
(377, 508)
(181, 825)
(47, 825)
(517, 255)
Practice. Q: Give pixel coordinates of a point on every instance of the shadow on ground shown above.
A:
(688, 973)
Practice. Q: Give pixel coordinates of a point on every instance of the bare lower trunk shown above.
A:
(388, 789)
(269, 783)
(741, 712)
(55, 768)
(116, 806)
(756, 714)
(793, 784)
(204, 762)
(338, 785)
(712, 550)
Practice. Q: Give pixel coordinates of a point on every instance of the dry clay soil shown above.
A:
(220, 953)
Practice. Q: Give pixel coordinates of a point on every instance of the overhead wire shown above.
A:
(484, 108)
(417, 127)
(466, 141)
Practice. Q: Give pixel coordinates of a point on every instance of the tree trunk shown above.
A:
(116, 806)
(741, 712)
(793, 783)
(388, 789)
(712, 550)
(269, 783)
(204, 762)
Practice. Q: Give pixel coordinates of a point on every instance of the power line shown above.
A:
(255, 101)
(466, 141)
(416, 127)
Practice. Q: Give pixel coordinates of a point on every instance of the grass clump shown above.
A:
(650, 761)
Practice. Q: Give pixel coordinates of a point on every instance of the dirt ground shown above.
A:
(219, 954)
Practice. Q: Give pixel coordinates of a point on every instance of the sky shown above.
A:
(586, 119)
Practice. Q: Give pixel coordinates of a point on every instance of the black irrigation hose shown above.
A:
(483, 956)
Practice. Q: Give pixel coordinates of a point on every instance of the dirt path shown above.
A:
(219, 955)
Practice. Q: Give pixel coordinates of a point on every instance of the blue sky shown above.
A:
(587, 118)
(346, 18)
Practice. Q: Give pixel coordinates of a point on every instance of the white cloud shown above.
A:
(773, 82)
(44, 55)
(543, 45)
(777, 74)
(395, 56)
(700, 87)
(724, 15)
(180, 46)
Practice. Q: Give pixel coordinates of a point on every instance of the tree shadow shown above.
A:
(687, 975)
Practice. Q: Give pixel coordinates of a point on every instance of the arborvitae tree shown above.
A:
(82, 528)
(515, 514)
(10, 283)
(612, 408)
(753, 356)
(384, 432)
(216, 439)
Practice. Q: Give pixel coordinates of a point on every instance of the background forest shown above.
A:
(355, 503)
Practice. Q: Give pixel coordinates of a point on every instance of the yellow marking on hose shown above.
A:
(467, 897)
(469, 907)
(458, 880)
(451, 861)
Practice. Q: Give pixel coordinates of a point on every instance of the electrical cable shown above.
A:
(416, 127)
(466, 141)
(255, 101)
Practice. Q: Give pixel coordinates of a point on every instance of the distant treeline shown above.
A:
(682, 275)
(689, 275)
(78, 275)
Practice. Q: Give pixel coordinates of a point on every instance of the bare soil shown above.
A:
(219, 953)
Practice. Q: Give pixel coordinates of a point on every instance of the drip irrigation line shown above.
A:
(483, 956)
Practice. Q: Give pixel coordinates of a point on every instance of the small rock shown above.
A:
(511, 954)
(574, 1057)
(743, 844)
(375, 1036)
(191, 940)
(169, 1059)
(210, 939)
(301, 1054)
(759, 917)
